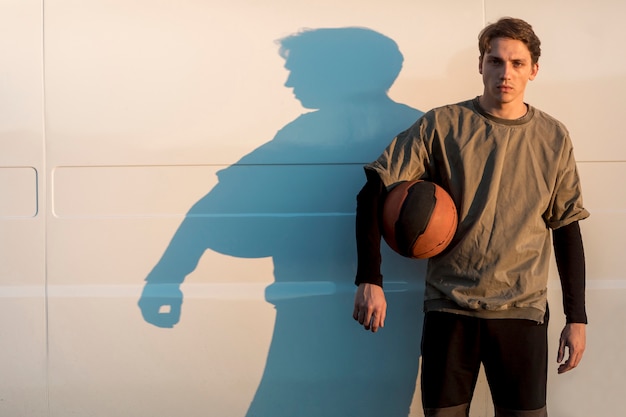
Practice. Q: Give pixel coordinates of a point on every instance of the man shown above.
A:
(511, 171)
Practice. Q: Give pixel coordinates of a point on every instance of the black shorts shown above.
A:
(514, 353)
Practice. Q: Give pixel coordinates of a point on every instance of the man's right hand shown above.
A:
(370, 306)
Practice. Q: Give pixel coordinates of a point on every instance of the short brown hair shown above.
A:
(510, 28)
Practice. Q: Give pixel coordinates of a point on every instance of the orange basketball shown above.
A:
(419, 219)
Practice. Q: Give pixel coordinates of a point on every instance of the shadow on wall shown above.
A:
(293, 199)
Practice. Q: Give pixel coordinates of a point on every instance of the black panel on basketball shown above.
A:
(415, 213)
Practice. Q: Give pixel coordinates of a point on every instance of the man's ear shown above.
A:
(480, 65)
(534, 71)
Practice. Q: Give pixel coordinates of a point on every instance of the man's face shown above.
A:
(506, 69)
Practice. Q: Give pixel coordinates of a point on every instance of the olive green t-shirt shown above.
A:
(512, 181)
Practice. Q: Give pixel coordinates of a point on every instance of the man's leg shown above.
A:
(450, 363)
(515, 355)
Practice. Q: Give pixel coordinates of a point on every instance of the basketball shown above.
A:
(419, 219)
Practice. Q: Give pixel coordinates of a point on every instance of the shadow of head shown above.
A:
(332, 65)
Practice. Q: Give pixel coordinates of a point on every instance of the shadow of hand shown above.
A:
(160, 304)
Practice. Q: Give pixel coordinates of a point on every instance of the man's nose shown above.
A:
(507, 68)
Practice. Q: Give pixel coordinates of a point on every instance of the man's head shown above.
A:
(509, 54)
(510, 28)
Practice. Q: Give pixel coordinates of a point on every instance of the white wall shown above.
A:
(157, 140)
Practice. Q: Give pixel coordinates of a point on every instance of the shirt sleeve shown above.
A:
(368, 234)
(406, 157)
(570, 260)
(566, 204)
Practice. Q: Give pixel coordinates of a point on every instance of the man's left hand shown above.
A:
(573, 338)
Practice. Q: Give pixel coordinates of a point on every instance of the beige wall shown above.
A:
(122, 124)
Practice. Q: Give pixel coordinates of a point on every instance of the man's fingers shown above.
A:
(381, 319)
(565, 366)
(572, 361)
(561, 354)
(364, 317)
(569, 364)
(370, 320)
(360, 313)
(374, 324)
(377, 320)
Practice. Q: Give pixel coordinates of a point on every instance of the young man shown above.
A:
(511, 171)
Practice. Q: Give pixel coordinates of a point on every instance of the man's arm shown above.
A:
(370, 306)
(570, 260)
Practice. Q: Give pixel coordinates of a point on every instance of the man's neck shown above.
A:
(508, 111)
